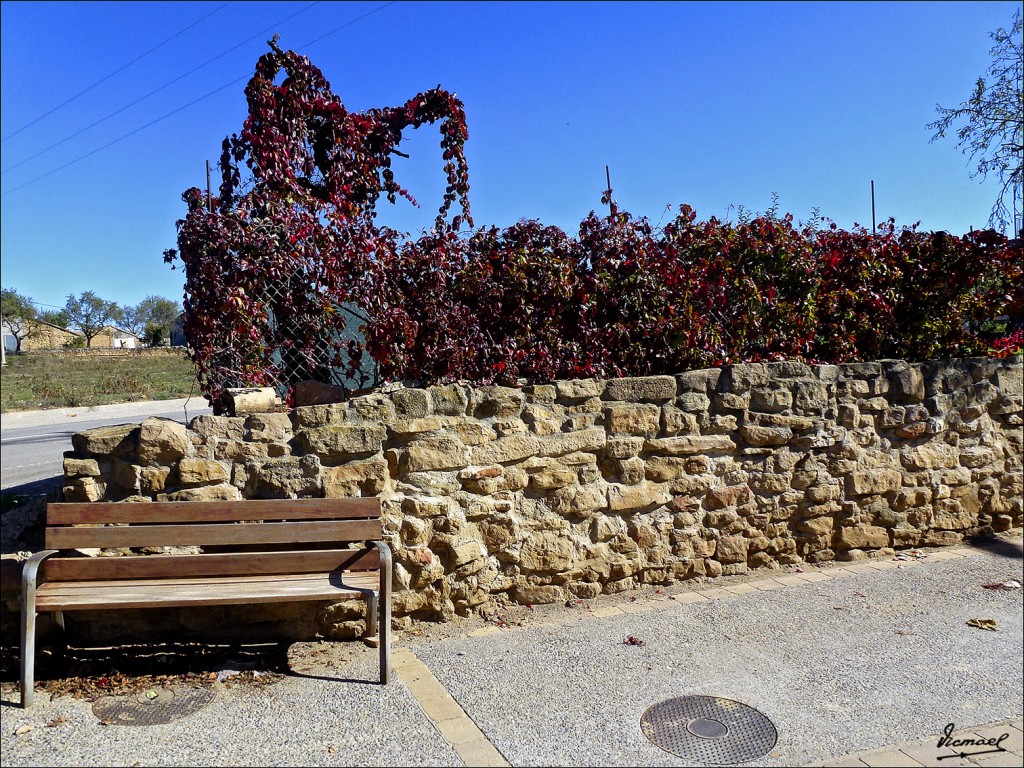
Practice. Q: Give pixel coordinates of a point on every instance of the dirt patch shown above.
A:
(89, 673)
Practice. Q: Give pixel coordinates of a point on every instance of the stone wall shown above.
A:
(107, 351)
(577, 488)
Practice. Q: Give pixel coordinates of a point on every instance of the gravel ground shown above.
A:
(296, 721)
(838, 666)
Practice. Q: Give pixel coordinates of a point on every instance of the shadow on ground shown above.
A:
(93, 672)
(999, 546)
(23, 514)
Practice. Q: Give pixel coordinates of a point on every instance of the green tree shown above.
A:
(91, 314)
(155, 334)
(992, 133)
(56, 317)
(18, 312)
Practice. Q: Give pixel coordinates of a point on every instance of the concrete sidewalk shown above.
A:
(193, 406)
(865, 664)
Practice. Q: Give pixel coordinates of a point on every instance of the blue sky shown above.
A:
(713, 104)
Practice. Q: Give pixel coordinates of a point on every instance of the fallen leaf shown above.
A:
(151, 695)
(56, 721)
(23, 730)
(633, 640)
(332, 750)
(1002, 585)
(989, 624)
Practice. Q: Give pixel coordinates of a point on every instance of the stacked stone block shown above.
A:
(576, 488)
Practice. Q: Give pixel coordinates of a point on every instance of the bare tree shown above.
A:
(133, 319)
(993, 132)
(150, 318)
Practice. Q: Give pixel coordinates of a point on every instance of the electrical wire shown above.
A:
(125, 136)
(116, 71)
(157, 90)
(349, 24)
(186, 106)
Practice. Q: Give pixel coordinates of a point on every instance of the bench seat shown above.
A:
(224, 590)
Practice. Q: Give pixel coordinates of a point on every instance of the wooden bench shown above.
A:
(252, 552)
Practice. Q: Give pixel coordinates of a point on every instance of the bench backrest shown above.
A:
(280, 536)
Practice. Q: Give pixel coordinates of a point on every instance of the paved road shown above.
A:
(33, 442)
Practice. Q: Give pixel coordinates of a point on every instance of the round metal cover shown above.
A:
(154, 707)
(709, 729)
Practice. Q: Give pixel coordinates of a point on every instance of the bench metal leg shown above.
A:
(28, 650)
(371, 615)
(384, 598)
(28, 624)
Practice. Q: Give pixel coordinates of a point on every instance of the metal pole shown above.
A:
(872, 206)
(608, 178)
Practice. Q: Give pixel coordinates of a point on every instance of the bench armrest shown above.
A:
(30, 570)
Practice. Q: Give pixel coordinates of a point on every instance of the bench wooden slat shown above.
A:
(221, 564)
(212, 511)
(142, 594)
(212, 534)
(67, 587)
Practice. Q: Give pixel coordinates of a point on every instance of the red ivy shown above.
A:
(291, 239)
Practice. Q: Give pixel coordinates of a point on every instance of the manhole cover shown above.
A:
(154, 707)
(709, 729)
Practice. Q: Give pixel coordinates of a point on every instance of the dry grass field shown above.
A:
(33, 381)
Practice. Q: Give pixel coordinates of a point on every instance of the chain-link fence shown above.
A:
(325, 357)
(294, 335)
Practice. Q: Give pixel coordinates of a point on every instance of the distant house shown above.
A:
(178, 332)
(9, 340)
(40, 335)
(117, 338)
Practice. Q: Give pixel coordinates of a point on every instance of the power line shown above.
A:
(157, 90)
(116, 71)
(186, 106)
(349, 24)
(125, 136)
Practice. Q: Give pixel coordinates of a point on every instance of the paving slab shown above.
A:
(839, 666)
